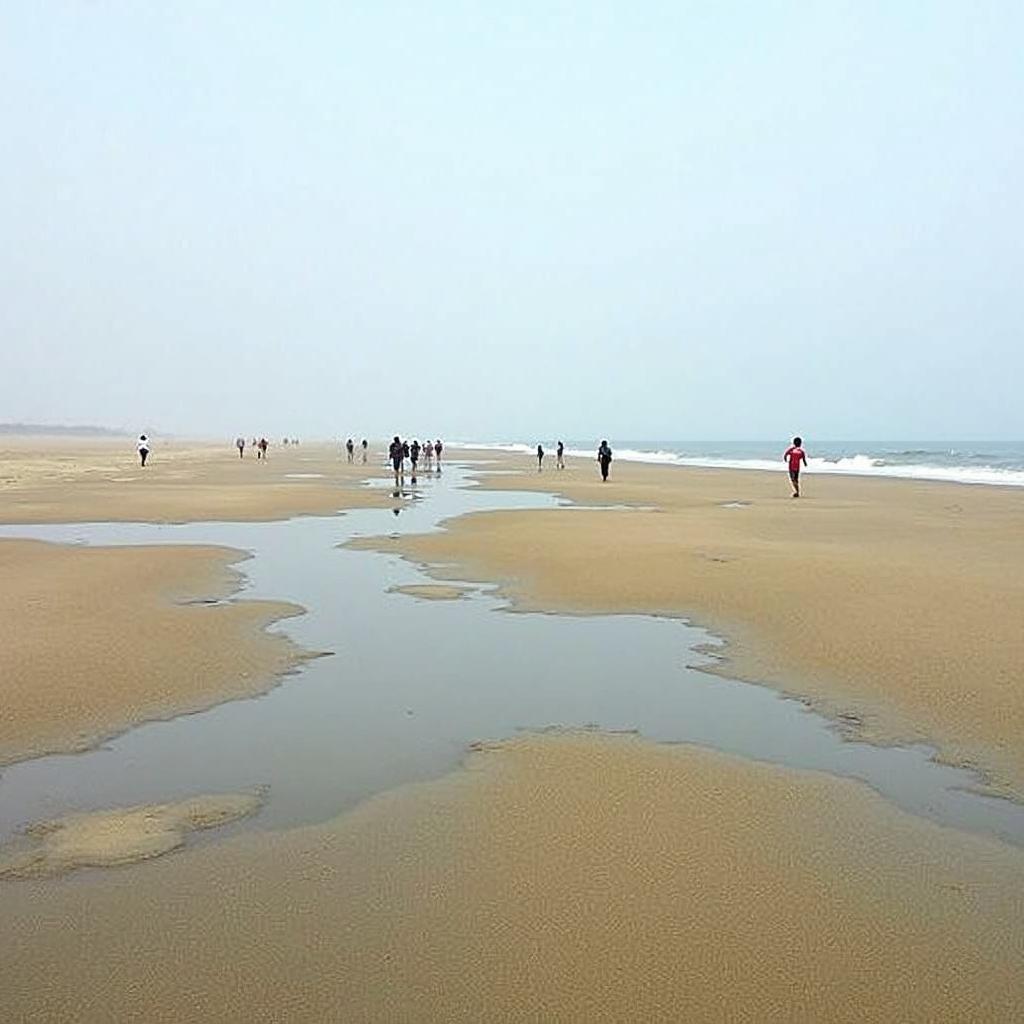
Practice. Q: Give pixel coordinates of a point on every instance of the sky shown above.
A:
(688, 220)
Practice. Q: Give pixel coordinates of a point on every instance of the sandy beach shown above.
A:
(562, 875)
(74, 669)
(891, 604)
(99, 639)
(572, 878)
(68, 480)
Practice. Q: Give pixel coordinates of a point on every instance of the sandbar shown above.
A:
(432, 591)
(97, 639)
(109, 838)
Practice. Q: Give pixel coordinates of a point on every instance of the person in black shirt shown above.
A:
(604, 458)
(396, 452)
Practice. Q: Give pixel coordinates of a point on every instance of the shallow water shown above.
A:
(412, 682)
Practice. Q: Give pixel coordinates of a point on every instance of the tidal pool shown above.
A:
(410, 683)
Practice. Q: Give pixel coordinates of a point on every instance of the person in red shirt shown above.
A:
(794, 456)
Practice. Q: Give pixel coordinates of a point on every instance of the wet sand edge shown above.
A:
(199, 644)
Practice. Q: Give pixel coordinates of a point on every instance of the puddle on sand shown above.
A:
(412, 683)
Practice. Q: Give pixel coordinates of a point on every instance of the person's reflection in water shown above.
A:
(397, 508)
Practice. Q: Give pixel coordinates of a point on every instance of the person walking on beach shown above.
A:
(414, 457)
(240, 445)
(350, 447)
(396, 453)
(795, 455)
(261, 449)
(143, 448)
(604, 459)
(540, 457)
(560, 456)
(428, 456)
(365, 446)
(438, 448)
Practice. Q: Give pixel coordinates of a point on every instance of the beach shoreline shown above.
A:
(988, 463)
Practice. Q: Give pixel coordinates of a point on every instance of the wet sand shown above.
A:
(100, 639)
(575, 878)
(47, 480)
(895, 605)
(432, 591)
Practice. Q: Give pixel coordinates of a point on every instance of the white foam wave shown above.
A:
(854, 465)
(487, 446)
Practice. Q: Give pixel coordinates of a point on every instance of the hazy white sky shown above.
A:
(662, 220)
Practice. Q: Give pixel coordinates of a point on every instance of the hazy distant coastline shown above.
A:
(59, 430)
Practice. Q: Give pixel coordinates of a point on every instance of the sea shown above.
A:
(999, 463)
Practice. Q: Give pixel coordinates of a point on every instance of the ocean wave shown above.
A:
(852, 465)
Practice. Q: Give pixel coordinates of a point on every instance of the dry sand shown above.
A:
(94, 640)
(47, 480)
(120, 836)
(897, 604)
(569, 878)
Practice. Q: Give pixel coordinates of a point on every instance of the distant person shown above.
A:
(438, 448)
(143, 448)
(414, 456)
(560, 456)
(540, 457)
(350, 447)
(795, 455)
(261, 449)
(604, 460)
(428, 456)
(396, 453)
(284, 441)
(365, 446)
(240, 445)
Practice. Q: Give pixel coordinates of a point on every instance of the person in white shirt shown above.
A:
(143, 447)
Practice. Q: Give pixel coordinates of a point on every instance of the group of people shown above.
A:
(260, 445)
(350, 449)
(559, 456)
(604, 458)
(399, 451)
(795, 457)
